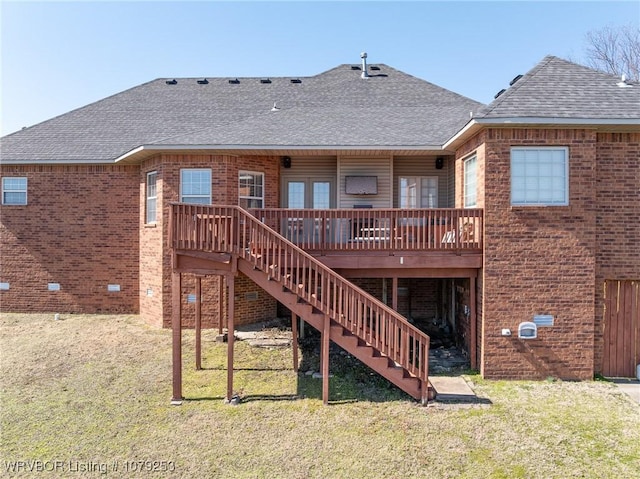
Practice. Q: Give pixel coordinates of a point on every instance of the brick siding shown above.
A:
(618, 228)
(538, 260)
(76, 230)
(154, 252)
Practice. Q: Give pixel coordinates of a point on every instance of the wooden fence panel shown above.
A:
(621, 328)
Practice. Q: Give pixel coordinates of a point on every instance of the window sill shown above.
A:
(525, 207)
(150, 225)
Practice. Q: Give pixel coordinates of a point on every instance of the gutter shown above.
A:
(145, 150)
(476, 124)
(4, 162)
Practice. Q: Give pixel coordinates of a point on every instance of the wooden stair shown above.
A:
(352, 318)
(357, 347)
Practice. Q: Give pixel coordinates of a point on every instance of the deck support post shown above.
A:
(230, 336)
(176, 326)
(424, 392)
(198, 327)
(473, 319)
(221, 291)
(394, 293)
(385, 298)
(324, 359)
(294, 340)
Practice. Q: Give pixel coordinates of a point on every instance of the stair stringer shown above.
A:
(351, 343)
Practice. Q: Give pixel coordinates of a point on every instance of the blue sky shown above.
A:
(58, 56)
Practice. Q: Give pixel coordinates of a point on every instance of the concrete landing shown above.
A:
(452, 389)
(631, 387)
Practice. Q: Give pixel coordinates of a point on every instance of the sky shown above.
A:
(58, 56)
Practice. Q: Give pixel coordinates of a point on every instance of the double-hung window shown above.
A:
(14, 191)
(195, 186)
(539, 176)
(251, 189)
(152, 196)
(418, 192)
(471, 182)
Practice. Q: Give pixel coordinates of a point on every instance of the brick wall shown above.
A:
(418, 298)
(475, 146)
(155, 258)
(153, 249)
(78, 229)
(618, 228)
(538, 260)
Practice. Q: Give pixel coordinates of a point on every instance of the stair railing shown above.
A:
(231, 229)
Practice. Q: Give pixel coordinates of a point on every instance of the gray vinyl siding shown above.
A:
(426, 166)
(366, 166)
(302, 168)
(450, 166)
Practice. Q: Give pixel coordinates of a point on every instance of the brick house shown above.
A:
(373, 197)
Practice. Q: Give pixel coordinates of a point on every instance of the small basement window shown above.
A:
(14, 191)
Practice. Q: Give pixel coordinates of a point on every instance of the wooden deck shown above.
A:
(228, 240)
(420, 242)
(321, 232)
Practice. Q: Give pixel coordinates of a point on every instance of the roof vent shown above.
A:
(204, 81)
(515, 79)
(171, 82)
(623, 82)
(364, 74)
(275, 107)
(499, 93)
(355, 67)
(374, 68)
(234, 82)
(265, 80)
(296, 80)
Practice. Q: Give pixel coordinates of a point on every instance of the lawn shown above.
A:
(89, 396)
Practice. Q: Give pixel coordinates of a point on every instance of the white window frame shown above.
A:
(535, 181)
(189, 197)
(6, 190)
(470, 187)
(251, 198)
(151, 214)
(418, 198)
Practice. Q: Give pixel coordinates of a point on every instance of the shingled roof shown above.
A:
(334, 109)
(556, 88)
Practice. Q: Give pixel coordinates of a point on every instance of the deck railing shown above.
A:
(378, 229)
(233, 230)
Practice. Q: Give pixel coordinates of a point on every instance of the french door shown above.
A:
(308, 193)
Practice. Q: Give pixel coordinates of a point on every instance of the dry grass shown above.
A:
(94, 390)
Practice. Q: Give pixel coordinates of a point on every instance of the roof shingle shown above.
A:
(333, 108)
(556, 88)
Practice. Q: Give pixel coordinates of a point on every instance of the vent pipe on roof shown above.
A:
(623, 82)
(365, 74)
